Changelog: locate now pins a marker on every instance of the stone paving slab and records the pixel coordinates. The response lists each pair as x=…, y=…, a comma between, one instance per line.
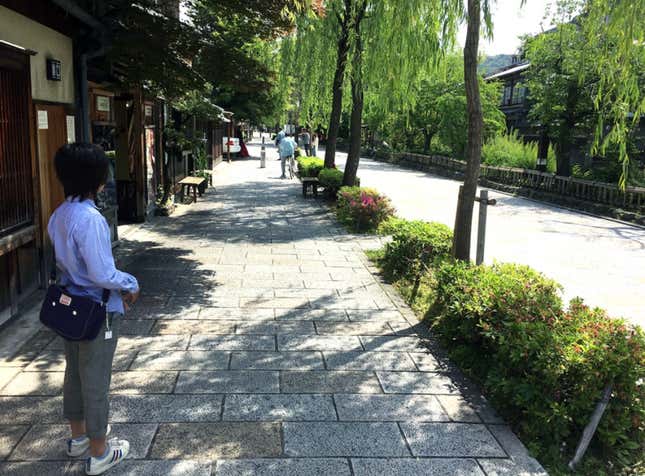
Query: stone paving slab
x=416, y=467
x=284, y=407
x=277, y=361
x=393, y=344
x=508, y=467
x=232, y=342
x=54, y=361
x=181, y=360
x=133, y=382
x=284, y=467
x=458, y=409
x=47, y=442
x=337, y=342
x=451, y=439
x=129, y=467
x=35, y=383
x=210, y=441
x=8, y=373
x=353, y=407
x=165, y=408
x=416, y=382
x=10, y=435
x=228, y=381
x=311, y=315
x=353, y=328
x=319, y=439
x=26, y=410
x=282, y=327
x=136, y=327
x=192, y=327
x=329, y=381
x=368, y=361
x=214, y=313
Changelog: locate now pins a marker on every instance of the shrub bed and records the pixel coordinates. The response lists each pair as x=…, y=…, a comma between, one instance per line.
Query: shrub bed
x=415, y=245
x=310, y=166
x=542, y=366
x=332, y=180
x=362, y=209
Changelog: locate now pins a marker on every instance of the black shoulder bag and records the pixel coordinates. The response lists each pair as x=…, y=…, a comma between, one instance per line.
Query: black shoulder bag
x=72, y=317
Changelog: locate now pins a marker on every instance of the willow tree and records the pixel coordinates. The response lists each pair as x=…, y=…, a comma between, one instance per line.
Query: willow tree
x=618, y=28
x=466, y=199
x=394, y=45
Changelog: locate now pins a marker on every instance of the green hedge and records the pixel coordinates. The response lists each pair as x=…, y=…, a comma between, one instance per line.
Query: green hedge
x=332, y=180
x=310, y=166
x=544, y=368
x=362, y=209
x=414, y=246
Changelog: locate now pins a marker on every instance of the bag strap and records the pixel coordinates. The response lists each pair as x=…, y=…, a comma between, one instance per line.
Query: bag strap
x=52, y=278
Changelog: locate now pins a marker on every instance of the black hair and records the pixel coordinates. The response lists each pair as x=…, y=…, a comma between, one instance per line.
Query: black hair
x=82, y=169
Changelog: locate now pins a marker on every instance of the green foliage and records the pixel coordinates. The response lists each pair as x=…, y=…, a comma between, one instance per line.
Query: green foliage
x=508, y=150
x=362, y=209
x=587, y=77
x=438, y=118
x=331, y=179
x=542, y=367
x=310, y=166
x=415, y=245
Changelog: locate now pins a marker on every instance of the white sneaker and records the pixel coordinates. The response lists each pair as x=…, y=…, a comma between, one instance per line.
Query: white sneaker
x=116, y=452
x=76, y=447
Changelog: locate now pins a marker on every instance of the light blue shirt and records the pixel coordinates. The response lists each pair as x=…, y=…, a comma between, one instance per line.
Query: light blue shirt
x=287, y=147
x=81, y=238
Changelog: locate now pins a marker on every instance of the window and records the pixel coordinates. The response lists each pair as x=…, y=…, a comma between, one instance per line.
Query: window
x=506, y=95
x=519, y=93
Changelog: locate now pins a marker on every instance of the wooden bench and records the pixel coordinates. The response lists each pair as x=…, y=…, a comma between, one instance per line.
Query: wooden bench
x=310, y=183
x=191, y=182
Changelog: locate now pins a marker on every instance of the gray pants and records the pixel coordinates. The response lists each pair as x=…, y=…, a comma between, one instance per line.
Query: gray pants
x=284, y=162
x=88, y=374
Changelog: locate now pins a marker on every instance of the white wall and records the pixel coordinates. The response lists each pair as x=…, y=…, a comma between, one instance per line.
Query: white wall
x=48, y=43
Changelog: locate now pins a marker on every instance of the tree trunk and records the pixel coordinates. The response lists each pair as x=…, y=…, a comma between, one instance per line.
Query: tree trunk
x=466, y=201
x=339, y=77
x=354, y=155
x=565, y=139
x=427, y=140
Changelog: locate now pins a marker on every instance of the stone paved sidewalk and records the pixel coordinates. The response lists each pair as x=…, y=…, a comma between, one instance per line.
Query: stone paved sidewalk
x=263, y=344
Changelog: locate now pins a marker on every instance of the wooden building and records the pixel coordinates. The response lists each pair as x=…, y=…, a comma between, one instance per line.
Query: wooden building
x=37, y=115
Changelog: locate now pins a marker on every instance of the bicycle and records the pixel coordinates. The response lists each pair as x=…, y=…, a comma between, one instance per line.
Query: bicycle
x=292, y=167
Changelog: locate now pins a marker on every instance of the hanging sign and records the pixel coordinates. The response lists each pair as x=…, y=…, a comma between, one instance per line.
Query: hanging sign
x=43, y=120
x=103, y=103
x=71, y=129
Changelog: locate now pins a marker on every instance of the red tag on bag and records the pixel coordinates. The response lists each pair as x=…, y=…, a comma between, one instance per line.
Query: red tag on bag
x=65, y=300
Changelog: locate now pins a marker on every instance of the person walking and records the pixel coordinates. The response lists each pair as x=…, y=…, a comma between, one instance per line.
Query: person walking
x=287, y=149
x=314, y=145
x=83, y=253
x=306, y=142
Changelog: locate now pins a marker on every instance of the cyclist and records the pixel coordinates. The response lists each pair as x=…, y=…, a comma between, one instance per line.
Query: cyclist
x=287, y=149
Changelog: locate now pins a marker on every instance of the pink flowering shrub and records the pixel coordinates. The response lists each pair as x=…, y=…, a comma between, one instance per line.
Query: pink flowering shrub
x=362, y=209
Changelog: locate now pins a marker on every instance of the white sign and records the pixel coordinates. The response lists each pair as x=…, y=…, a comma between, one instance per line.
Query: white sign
x=148, y=111
x=71, y=129
x=43, y=120
x=103, y=103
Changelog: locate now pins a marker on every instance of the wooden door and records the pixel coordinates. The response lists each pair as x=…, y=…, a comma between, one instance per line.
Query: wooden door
x=52, y=134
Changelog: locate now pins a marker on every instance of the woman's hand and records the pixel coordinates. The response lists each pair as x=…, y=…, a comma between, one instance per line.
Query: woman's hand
x=130, y=298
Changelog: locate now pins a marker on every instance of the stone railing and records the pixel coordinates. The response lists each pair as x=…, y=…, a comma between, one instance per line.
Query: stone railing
x=632, y=198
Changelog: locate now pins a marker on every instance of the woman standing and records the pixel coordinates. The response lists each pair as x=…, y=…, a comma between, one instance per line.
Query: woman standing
x=314, y=144
x=81, y=239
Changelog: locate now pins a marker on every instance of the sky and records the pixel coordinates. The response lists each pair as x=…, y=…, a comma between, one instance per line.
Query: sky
x=509, y=22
